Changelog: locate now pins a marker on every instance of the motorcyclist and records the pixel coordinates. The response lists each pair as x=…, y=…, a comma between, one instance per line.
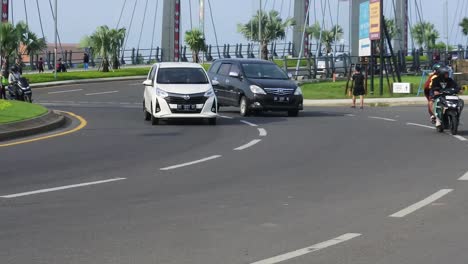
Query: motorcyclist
x=13, y=79
x=427, y=91
x=441, y=82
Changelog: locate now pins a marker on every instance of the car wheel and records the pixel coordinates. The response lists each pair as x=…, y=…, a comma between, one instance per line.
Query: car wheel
x=244, y=108
x=293, y=113
x=154, y=120
x=212, y=121
x=147, y=115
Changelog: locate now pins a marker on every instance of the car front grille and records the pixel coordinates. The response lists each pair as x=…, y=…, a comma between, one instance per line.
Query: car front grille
x=279, y=91
x=186, y=99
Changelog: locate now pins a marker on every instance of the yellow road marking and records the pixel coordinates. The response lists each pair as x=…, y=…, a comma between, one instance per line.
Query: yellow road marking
x=83, y=123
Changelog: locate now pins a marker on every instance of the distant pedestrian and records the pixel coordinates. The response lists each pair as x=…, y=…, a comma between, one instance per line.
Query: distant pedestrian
x=60, y=67
x=357, y=87
x=85, y=61
x=40, y=65
x=19, y=64
x=4, y=81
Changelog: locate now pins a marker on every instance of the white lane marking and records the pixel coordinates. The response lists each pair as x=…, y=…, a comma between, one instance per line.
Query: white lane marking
x=67, y=91
x=350, y=115
x=136, y=84
x=464, y=177
x=191, y=163
x=410, y=209
x=60, y=188
x=109, y=92
x=382, y=118
x=262, y=132
x=248, y=145
x=226, y=117
x=419, y=125
x=248, y=123
x=307, y=250
x=459, y=137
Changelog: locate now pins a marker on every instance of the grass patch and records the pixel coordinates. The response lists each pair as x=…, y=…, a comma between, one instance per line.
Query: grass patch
x=13, y=111
x=291, y=63
x=336, y=90
x=66, y=76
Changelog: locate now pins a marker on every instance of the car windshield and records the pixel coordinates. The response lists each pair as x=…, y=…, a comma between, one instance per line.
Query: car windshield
x=182, y=76
x=263, y=71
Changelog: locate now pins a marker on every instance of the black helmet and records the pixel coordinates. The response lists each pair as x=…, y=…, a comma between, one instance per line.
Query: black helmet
x=436, y=66
x=14, y=68
x=358, y=68
x=442, y=71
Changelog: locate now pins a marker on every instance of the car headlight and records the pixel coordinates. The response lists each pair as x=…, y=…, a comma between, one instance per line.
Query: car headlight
x=256, y=89
x=161, y=93
x=209, y=93
x=298, y=91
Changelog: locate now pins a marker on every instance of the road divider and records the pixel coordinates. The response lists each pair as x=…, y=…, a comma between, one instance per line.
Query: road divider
x=190, y=163
x=414, y=207
x=304, y=251
x=248, y=145
x=16, y=195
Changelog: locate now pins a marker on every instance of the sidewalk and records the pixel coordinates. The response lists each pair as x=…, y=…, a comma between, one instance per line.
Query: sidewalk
x=372, y=101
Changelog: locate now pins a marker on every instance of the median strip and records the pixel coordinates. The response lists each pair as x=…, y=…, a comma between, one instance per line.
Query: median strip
x=59, y=188
x=304, y=251
x=190, y=163
x=412, y=208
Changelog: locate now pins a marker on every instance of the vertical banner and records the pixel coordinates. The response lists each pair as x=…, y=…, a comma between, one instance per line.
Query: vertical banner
x=374, y=15
x=177, y=30
x=364, y=41
x=306, y=36
x=4, y=11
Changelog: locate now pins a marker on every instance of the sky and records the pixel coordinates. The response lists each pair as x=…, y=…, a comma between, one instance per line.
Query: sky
x=81, y=17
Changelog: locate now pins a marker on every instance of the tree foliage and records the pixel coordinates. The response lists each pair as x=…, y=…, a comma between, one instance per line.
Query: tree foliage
x=195, y=40
x=106, y=43
x=425, y=35
x=327, y=36
x=464, y=25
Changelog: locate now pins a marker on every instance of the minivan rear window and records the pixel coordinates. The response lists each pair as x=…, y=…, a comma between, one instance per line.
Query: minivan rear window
x=263, y=71
x=182, y=76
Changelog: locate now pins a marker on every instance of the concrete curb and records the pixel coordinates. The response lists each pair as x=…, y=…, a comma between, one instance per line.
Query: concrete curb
x=404, y=101
x=97, y=80
x=45, y=123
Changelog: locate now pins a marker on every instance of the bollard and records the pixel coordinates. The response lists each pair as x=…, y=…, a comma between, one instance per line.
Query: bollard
x=240, y=51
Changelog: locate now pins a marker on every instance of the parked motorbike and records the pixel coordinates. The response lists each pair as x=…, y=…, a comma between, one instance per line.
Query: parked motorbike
x=451, y=107
x=20, y=91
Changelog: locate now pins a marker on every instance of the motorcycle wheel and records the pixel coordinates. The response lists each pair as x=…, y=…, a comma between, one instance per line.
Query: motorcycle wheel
x=27, y=99
x=453, y=120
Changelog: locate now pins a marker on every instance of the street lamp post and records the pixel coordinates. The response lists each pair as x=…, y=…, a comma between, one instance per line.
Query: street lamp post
x=260, y=16
x=56, y=37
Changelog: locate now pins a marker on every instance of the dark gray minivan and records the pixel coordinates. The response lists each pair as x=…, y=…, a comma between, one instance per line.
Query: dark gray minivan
x=255, y=85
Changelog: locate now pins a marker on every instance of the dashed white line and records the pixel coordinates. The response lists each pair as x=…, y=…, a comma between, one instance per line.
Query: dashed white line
x=60, y=188
x=459, y=137
x=248, y=145
x=350, y=115
x=307, y=250
x=464, y=177
x=248, y=123
x=67, y=91
x=262, y=132
x=382, y=118
x=191, y=163
x=419, y=125
x=414, y=207
x=226, y=117
x=109, y=92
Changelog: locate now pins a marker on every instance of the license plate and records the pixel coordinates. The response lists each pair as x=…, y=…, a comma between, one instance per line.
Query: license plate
x=451, y=97
x=186, y=107
x=281, y=99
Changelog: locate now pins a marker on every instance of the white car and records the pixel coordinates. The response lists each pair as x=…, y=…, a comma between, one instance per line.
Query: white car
x=179, y=90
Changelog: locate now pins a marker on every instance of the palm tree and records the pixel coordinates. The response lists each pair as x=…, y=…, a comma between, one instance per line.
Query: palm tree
x=391, y=28
x=117, y=41
x=106, y=43
x=8, y=41
x=328, y=37
x=195, y=40
x=425, y=34
x=464, y=26
x=272, y=26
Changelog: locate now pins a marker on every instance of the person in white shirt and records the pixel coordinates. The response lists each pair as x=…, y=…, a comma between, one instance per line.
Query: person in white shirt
x=13, y=78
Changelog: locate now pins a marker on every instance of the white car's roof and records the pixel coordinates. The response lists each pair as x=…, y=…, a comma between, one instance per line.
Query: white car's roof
x=178, y=65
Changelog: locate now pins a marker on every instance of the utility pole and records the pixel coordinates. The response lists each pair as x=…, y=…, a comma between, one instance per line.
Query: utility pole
x=202, y=17
x=382, y=61
x=446, y=27
x=260, y=16
x=56, y=39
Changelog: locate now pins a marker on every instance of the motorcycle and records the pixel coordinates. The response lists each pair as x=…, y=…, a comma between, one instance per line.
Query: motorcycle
x=451, y=107
x=20, y=91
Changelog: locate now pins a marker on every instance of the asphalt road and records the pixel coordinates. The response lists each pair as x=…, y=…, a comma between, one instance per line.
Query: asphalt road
x=334, y=185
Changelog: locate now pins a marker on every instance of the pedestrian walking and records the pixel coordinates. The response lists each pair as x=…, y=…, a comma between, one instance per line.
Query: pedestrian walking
x=40, y=65
x=357, y=87
x=85, y=61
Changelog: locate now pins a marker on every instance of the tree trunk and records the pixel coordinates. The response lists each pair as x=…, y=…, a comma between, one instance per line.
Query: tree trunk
x=105, y=65
x=115, y=63
x=195, y=58
x=265, y=51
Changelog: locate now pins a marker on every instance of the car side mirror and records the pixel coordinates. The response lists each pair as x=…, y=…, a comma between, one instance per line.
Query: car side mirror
x=214, y=83
x=148, y=83
x=234, y=74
